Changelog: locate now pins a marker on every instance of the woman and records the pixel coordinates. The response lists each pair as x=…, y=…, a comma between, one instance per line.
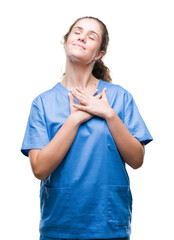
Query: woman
x=79, y=136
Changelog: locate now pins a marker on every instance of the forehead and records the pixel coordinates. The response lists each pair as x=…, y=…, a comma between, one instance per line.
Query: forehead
x=89, y=25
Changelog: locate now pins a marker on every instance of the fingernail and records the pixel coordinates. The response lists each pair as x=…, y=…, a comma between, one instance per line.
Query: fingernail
x=69, y=94
x=96, y=89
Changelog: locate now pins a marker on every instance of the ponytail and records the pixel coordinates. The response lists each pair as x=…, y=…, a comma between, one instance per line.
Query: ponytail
x=100, y=71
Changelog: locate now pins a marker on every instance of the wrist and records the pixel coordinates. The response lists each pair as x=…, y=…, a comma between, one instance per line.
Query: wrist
x=110, y=113
x=74, y=119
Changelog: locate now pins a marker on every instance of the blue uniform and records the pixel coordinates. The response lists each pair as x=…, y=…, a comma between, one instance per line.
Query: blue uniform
x=88, y=195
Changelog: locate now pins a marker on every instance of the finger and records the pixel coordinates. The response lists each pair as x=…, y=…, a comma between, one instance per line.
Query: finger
x=76, y=94
x=99, y=96
x=104, y=93
x=96, y=90
x=71, y=98
x=104, y=90
x=79, y=89
x=80, y=97
x=84, y=94
x=79, y=107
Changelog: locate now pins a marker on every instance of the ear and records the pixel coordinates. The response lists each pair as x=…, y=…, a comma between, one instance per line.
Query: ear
x=99, y=55
x=64, y=43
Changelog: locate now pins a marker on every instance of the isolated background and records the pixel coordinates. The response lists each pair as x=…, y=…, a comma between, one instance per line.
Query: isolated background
x=141, y=59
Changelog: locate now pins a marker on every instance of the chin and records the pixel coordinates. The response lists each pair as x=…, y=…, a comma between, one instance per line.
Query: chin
x=78, y=55
x=79, y=58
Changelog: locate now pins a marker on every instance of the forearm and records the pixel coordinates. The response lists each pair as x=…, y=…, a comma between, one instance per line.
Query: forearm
x=53, y=153
x=130, y=149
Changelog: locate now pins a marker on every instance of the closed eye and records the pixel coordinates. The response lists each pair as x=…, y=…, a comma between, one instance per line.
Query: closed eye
x=91, y=37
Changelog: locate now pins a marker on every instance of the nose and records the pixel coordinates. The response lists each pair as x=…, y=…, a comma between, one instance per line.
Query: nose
x=82, y=38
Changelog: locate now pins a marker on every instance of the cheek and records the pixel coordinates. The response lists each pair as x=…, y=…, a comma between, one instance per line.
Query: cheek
x=70, y=40
x=94, y=45
x=67, y=45
x=94, y=49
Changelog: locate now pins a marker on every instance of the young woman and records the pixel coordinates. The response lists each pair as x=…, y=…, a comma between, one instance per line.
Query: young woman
x=79, y=136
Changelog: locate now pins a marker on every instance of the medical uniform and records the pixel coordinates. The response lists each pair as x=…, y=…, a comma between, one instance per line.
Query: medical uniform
x=88, y=195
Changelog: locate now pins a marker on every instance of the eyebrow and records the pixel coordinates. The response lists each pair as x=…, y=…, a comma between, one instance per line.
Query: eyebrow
x=89, y=30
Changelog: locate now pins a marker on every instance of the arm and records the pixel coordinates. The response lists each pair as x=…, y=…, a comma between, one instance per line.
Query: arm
x=44, y=161
x=130, y=149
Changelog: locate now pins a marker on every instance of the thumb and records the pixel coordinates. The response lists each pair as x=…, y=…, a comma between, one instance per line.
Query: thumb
x=99, y=96
x=104, y=93
x=71, y=99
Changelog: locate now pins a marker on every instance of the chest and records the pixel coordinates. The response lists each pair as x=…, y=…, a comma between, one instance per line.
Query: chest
x=58, y=109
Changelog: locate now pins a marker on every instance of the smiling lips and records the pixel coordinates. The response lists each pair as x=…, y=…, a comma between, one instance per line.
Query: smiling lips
x=79, y=46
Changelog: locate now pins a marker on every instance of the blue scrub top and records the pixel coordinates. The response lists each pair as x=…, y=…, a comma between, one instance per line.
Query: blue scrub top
x=88, y=195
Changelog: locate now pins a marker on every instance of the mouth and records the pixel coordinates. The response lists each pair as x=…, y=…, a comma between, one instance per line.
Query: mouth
x=79, y=46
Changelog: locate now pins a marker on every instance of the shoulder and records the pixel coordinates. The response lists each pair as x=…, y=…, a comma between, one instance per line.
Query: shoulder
x=117, y=89
x=45, y=96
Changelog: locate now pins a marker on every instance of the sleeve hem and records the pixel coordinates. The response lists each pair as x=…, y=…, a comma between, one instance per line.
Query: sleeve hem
x=25, y=151
x=145, y=140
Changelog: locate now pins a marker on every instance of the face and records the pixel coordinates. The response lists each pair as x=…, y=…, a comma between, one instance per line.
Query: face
x=84, y=41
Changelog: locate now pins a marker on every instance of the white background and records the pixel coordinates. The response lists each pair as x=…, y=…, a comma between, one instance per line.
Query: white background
x=141, y=59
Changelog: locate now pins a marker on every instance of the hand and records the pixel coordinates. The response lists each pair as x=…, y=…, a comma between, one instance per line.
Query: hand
x=97, y=105
x=80, y=115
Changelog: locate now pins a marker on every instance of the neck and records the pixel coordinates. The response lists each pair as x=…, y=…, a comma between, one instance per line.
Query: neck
x=78, y=75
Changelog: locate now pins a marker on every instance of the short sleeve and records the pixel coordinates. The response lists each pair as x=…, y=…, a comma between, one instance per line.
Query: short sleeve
x=134, y=121
x=36, y=136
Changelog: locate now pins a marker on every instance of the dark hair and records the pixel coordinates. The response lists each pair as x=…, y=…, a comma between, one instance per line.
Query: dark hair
x=99, y=71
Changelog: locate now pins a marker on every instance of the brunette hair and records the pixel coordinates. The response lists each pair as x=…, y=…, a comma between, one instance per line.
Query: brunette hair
x=99, y=71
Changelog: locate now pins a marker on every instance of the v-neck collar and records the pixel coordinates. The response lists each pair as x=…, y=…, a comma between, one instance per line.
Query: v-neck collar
x=65, y=91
